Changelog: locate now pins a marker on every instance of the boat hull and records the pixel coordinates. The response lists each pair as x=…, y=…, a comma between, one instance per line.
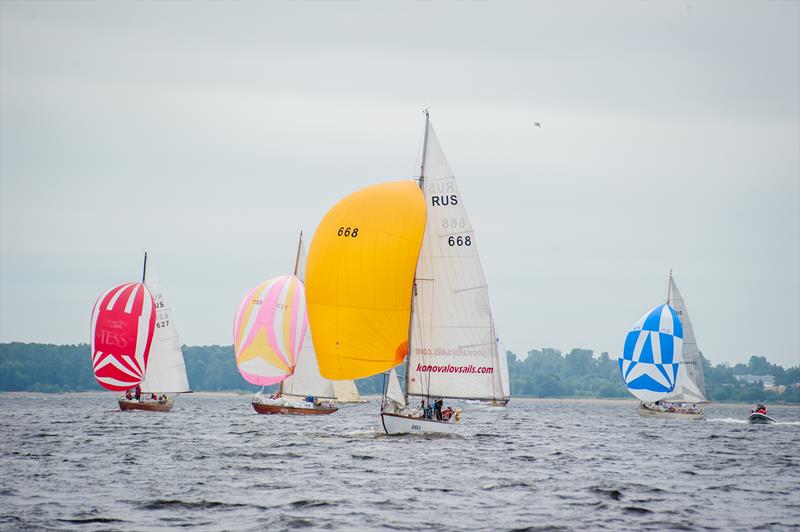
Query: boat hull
x=394, y=424
x=147, y=406
x=759, y=419
x=279, y=409
x=649, y=412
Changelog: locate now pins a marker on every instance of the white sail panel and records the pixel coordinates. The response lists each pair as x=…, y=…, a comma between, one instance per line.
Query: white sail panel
x=393, y=391
x=503, y=377
x=691, y=384
x=306, y=379
x=452, y=350
x=166, y=370
x=346, y=391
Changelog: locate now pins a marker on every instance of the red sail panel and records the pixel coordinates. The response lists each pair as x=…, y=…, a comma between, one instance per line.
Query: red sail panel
x=123, y=321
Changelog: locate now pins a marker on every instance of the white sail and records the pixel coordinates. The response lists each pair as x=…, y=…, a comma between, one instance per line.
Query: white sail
x=502, y=381
x=166, y=370
x=346, y=392
x=393, y=391
x=452, y=347
x=306, y=379
x=691, y=385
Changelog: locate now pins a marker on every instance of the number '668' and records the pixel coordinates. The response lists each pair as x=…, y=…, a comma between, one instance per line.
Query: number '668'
x=346, y=231
x=459, y=241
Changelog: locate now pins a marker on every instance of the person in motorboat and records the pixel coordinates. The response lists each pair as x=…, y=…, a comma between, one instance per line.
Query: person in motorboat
x=760, y=409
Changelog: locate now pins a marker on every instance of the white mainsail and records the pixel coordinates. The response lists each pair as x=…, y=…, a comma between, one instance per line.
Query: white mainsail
x=691, y=385
x=452, y=348
x=306, y=379
x=166, y=370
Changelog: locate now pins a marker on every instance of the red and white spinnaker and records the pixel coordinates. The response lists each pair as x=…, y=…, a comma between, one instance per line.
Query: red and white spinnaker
x=123, y=322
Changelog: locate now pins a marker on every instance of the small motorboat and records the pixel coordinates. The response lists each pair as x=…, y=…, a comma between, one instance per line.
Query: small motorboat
x=758, y=418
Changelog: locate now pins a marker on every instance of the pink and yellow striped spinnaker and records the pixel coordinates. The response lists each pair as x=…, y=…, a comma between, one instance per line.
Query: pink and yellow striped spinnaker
x=268, y=330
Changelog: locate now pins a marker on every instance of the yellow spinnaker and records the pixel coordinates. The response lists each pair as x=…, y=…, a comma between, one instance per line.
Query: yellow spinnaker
x=359, y=278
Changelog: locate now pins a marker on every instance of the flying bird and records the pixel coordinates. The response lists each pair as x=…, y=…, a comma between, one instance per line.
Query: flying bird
x=537, y=124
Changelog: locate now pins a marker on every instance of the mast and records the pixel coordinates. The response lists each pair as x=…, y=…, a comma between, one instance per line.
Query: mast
x=669, y=286
x=414, y=286
x=297, y=257
x=144, y=267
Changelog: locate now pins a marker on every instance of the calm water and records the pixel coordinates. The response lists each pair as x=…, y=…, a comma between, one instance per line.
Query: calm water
x=75, y=462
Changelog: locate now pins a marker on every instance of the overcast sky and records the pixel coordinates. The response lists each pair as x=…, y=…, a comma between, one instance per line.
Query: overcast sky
x=210, y=134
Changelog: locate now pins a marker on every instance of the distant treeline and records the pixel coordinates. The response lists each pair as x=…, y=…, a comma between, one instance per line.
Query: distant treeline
x=543, y=373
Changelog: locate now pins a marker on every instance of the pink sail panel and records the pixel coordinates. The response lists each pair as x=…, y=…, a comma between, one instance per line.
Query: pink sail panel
x=268, y=330
x=123, y=321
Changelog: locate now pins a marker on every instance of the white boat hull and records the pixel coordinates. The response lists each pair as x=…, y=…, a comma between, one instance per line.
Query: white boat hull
x=395, y=424
x=649, y=412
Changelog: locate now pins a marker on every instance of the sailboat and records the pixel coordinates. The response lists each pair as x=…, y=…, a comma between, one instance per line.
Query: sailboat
x=502, y=379
x=394, y=276
x=273, y=345
x=138, y=316
x=661, y=363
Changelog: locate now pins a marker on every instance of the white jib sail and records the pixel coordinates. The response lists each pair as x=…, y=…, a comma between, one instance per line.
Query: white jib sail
x=166, y=370
x=393, y=391
x=691, y=384
x=306, y=379
x=452, y=351
x=346, y=391
x=503, y=379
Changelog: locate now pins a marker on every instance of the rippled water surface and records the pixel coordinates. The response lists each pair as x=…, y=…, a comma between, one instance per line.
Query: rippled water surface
x=75, y=462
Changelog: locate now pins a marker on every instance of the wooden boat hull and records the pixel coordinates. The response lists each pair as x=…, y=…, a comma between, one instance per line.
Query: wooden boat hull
x=394, y=424
x=759, y=419
x=148, y=406
x=278, y=409
x=648, y=412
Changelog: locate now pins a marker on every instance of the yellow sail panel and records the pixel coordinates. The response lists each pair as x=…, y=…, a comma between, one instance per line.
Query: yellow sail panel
x=359, y=279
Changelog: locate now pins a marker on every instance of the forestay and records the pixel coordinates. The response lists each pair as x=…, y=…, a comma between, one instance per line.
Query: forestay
x=123, y=320
x=359, y=279
x=652, y=354
x=691, y=385
x=166, y=369
x=269, y=328
x=453, y=352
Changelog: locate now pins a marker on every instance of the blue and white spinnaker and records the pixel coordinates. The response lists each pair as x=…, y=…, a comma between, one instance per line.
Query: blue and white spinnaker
x=652, y=355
